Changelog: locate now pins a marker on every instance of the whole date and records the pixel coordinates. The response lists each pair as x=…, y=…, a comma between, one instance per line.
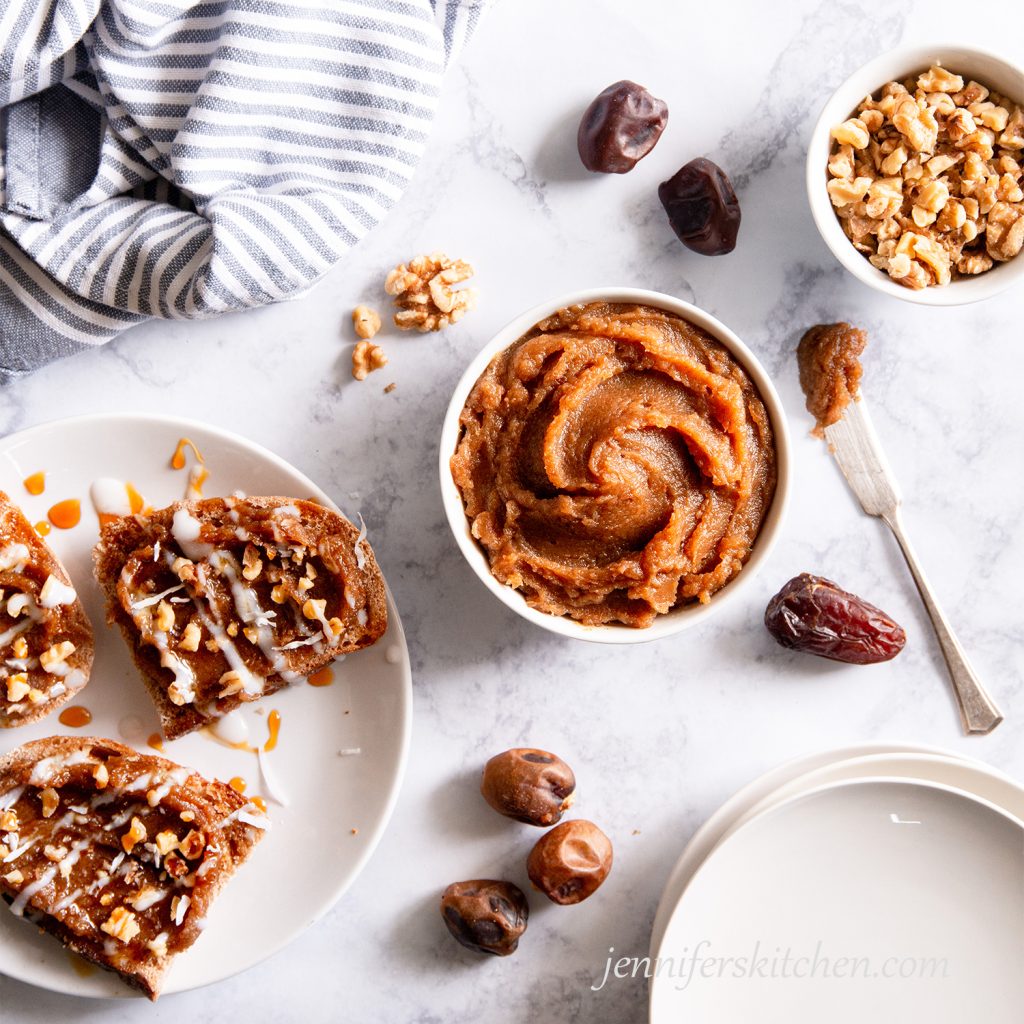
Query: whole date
x=813, y=614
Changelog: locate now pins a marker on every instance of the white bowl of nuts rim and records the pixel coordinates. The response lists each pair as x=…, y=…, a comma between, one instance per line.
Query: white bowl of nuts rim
x=918, y=192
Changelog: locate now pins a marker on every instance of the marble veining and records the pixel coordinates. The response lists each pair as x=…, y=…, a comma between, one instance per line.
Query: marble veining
x=659, y=734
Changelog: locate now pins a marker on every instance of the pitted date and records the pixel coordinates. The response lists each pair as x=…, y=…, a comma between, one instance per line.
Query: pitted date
x=702, y=207
x=814, y=615
x=485, y=915
x=620, y=127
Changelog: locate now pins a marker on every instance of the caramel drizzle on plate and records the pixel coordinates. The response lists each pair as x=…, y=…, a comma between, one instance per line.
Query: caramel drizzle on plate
x=199, y=474
x=35, y=483
x=65, y=515
x=322, y=677
x=75, y=717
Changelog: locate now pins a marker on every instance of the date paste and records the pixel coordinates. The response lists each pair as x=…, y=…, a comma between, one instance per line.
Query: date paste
x=615, y=462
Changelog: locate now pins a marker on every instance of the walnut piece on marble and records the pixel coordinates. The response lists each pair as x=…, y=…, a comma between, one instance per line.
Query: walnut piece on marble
x=365, y=321
x=367, y=357
x=926, y=180
x=425, y=294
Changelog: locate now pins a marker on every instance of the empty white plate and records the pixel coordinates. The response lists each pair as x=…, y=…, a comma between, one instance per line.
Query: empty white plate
x=707, y=837
x=877, y=899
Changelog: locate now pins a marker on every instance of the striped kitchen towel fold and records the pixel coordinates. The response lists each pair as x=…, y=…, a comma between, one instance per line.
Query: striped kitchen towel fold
x=168, y=158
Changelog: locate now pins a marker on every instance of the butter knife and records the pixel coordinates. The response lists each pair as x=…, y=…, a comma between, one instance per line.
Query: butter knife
x=855, y=445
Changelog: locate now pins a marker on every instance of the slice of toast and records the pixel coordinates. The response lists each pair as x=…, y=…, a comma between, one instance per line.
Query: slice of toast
x=118, y=854
x=46, y=641
x=226, y=600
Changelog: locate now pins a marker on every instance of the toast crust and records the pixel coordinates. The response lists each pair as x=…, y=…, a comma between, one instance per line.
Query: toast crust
x=226, y=600
x=101, y=844
x=46, y=640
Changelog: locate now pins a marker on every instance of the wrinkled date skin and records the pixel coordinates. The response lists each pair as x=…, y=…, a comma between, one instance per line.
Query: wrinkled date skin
x=529, y=785
x=702, y=207
x=620, y=127
x=485, y=915
x=812, y=614
x=570, y=862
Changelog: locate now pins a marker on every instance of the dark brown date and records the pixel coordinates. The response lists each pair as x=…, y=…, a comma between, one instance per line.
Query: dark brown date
x=702, y=207
x=812, y=614
x=620, y=127
x=532, y=786
x=485, y=915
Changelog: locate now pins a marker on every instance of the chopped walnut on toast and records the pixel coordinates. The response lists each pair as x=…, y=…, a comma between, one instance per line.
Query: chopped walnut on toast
x=46, y=641
x=118, y=854
x=226, y=600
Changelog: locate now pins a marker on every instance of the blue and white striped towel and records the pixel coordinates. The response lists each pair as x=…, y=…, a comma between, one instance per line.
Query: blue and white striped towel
x=179, y=159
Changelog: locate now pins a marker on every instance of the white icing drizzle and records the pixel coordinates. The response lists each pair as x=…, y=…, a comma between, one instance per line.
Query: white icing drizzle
x=270, y=782
x=110, y=497
x=246, y=814
x=248, y=608
x=11, y=797
x=54, y=593
x=63, y=904
x=151, y=899
x=21, y=900
x=152, y=599
x=186, y=530
x=358, y=546
x=15, y=854
x=232, y=727
x=44, y=770
x=313, y=640
x=8, y=636
x=13, y=556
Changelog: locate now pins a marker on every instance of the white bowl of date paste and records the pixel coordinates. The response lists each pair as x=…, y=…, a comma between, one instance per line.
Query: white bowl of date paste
x=994, y=72
x=684, y=615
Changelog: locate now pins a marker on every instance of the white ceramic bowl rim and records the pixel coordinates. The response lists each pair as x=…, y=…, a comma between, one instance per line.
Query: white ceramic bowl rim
x=679, y=618
x=988, y=68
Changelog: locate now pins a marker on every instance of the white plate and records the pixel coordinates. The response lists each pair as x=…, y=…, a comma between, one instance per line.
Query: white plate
x=707, y=837
x=941, y=768
x=338, y=804
x=937, y=892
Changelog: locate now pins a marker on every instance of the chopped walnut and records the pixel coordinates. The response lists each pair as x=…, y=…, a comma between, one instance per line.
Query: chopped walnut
x=9, y=821
x=166, y=841
x=102, y=776
x=365, y=321
x=18, y=687
x=14, y=877
x=192, y=845
x=50, y=801
x=135, y=835
x=164, y=618
x=252, y=564
x=367, y=357
x=56, y=655
x=425, y=293
x=1005, y=232
x=190, y=637
x=925, y=178
x=20, y=647
x=121, y=924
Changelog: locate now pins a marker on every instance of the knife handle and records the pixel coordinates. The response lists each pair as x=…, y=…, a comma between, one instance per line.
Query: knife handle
x=978, y=711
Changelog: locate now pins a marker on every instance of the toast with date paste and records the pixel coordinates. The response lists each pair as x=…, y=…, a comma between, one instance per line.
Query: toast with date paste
x=116, y=853
x=226, y=600
x=46, y=641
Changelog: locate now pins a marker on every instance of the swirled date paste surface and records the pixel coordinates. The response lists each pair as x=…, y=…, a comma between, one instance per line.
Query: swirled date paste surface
x=615, y=462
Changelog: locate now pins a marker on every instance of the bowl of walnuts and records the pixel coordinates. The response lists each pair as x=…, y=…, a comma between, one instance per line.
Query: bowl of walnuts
x=914, y=174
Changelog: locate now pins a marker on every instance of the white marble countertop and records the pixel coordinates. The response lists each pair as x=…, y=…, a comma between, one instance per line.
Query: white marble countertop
x=659, y=734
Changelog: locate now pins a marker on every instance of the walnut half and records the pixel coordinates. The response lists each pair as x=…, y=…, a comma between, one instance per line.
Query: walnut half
x=425, y=294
